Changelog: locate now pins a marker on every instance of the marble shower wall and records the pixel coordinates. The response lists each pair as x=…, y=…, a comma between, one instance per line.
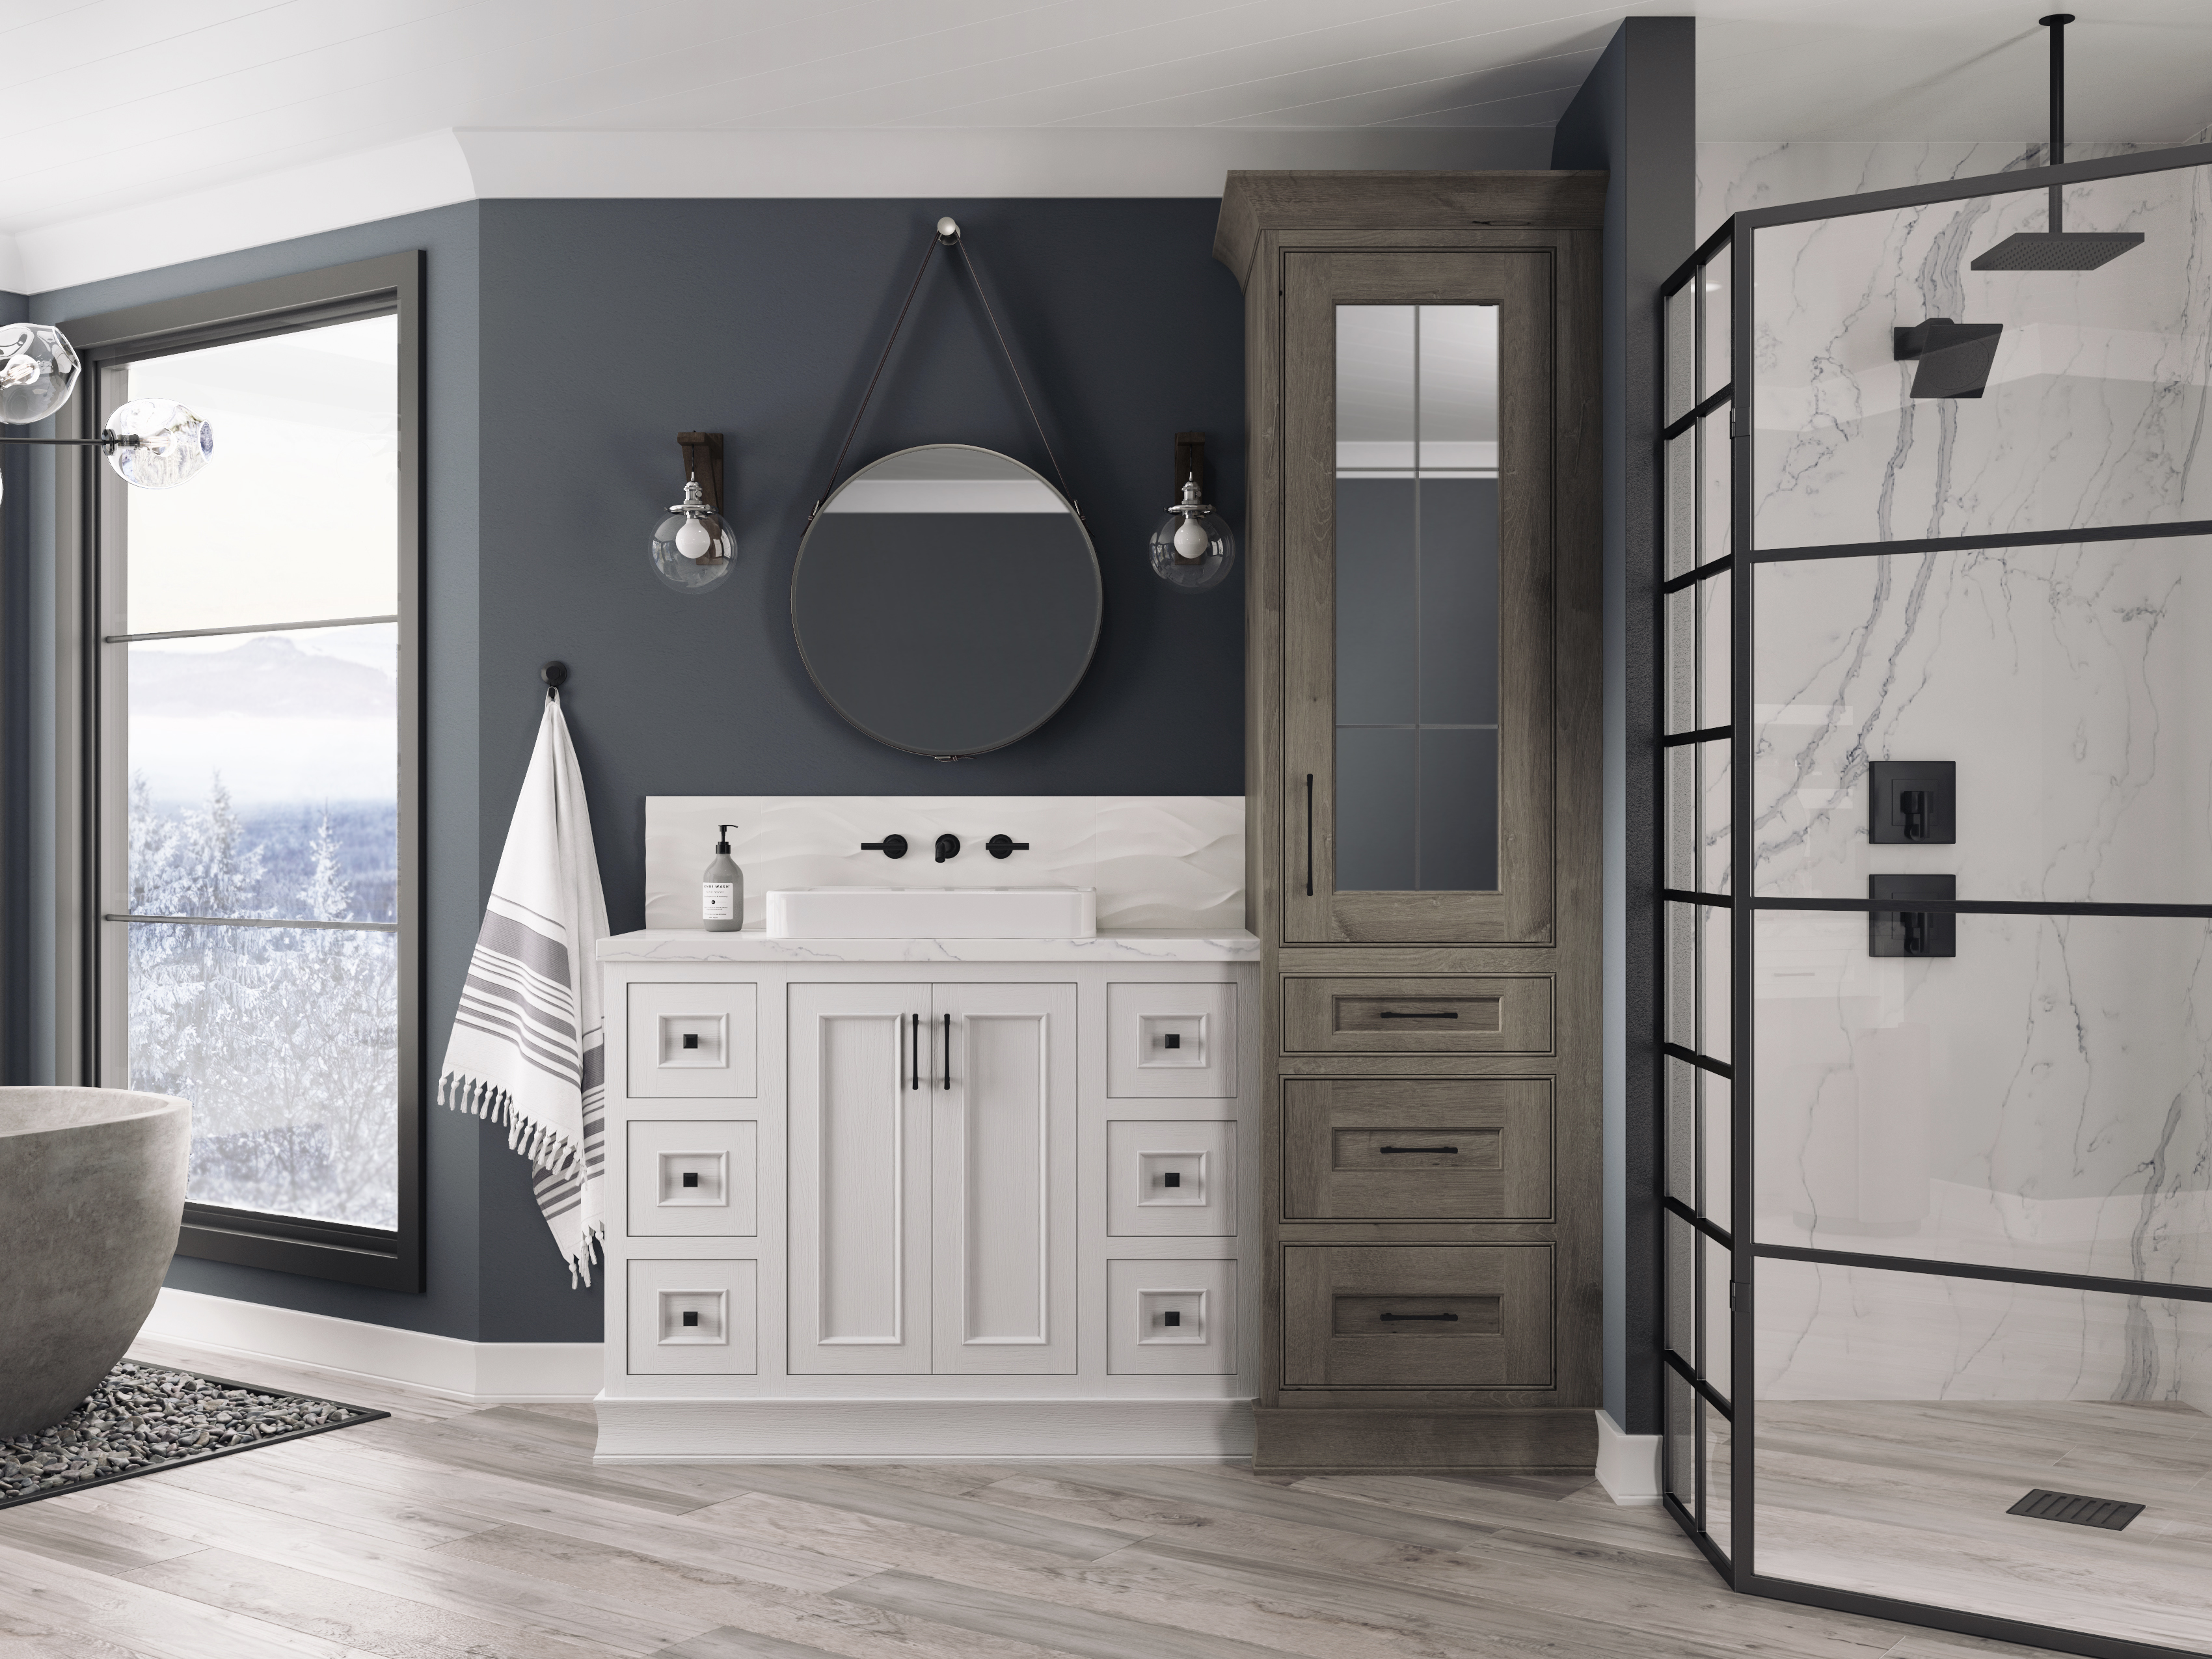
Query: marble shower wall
x=2040, y=1101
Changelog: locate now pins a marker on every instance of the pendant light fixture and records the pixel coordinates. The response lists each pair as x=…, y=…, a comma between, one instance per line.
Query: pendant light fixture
x=151, y=444
x=1193, y=549
x=691, y=549
x=2057, y=248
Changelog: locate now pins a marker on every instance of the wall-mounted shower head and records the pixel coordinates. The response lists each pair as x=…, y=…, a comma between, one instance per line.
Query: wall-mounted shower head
x=1955, y=359
x=2057, y=248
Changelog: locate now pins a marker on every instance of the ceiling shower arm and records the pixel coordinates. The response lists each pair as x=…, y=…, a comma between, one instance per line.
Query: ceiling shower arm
x=2057, y=22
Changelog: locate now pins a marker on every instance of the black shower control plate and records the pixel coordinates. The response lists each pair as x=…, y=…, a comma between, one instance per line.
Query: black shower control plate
x=1915, y=804
x=1904, y=931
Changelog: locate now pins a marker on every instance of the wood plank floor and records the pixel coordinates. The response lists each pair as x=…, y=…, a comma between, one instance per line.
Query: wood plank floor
x=449, y=1531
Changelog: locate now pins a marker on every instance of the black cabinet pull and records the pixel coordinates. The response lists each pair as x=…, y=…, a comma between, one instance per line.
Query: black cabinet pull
x=948, y=1051
x=1388, y=1317
x=913, y=1054
x=1392, y=1013
x=1418, y=1149
x=1309, y=835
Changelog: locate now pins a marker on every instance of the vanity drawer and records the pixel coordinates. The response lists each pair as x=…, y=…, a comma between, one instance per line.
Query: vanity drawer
x=1508, y=1014
x=1170, y=1041
x=1418, y=1316
x=693, y=1318
x=1429, y=1149
x=693, y=1179
x=692, y=1042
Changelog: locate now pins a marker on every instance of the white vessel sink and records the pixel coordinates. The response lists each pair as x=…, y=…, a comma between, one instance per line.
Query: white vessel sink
x=933, y=912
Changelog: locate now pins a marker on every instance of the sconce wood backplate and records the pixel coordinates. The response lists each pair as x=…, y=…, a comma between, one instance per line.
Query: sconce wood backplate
x=702, y=460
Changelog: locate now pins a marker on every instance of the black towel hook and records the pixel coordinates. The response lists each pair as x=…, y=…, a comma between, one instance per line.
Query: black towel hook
x=556, y=675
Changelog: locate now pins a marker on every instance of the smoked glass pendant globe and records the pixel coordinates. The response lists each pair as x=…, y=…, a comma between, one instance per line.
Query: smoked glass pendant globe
x=692, y=549
x=37, y=372
x=1193, y=549
x=174, y=443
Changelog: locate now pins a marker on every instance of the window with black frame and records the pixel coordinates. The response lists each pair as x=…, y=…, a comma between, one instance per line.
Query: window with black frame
x=255, y=788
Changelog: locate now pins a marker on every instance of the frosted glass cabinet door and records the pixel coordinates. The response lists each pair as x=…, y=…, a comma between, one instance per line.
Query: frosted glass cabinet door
x=1418, y=566
x=1004, y=1196
x=860, y=1092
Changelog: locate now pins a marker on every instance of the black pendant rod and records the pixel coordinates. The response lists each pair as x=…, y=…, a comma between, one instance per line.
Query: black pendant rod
x=2057, y=23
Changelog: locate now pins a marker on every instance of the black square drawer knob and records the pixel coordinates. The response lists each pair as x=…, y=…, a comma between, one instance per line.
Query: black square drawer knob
x=690, y=1177
x=690, y=1318
x=690, y=1039
x=1172, y=1178
x=1171, y=1317
x=1173, y=1040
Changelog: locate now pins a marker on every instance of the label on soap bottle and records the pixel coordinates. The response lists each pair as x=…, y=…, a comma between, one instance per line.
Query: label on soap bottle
x=714, y=898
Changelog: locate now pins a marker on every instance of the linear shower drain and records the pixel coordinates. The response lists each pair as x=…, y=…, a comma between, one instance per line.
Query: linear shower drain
x=2076, y=1510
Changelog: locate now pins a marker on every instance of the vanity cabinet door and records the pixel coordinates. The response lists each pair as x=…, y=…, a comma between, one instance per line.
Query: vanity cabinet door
x=1004, y=1192
x=1418, y=489
x=861, y=1086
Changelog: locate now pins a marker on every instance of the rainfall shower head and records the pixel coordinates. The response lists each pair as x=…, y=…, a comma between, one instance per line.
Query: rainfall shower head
x=2057, y=248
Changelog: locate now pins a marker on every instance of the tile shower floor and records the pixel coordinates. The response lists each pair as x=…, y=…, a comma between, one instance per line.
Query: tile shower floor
x=1909, y=1499
x=450, y=1530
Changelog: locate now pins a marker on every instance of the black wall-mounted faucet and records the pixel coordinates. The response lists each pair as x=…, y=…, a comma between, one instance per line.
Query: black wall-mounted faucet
x=1004, y=846
x=892, y=846
x=948, y=847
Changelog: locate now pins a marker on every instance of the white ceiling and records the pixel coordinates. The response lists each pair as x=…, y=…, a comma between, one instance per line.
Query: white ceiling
x=111, y=110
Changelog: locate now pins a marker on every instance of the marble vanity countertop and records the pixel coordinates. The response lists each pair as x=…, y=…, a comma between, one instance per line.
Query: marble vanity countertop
x=1133, y=944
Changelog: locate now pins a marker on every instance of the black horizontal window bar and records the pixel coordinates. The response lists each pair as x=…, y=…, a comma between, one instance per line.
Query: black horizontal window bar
x=1689, y=896
x=1417, y=1149
x=1711, y=568
x=245, y=628
x=1708, y=735
x=2114, y=532
x=1989, y=908
x=1718, y=1067
x=1392, y=1013
x=1682, y=423
x=1720, y=1236
x=2155, y=1291
x=1404, y=1318
x=260, y=921
x=1706, y=1392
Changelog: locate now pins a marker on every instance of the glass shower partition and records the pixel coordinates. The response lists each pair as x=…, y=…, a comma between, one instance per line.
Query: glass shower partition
x=1936, y=943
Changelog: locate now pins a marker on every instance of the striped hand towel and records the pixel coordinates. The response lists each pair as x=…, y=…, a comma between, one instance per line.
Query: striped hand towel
x=528, y=1048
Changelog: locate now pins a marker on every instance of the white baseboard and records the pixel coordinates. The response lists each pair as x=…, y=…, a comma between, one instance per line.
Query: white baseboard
x=482, y=1373
x=924, y=1431
x=1627, y=1464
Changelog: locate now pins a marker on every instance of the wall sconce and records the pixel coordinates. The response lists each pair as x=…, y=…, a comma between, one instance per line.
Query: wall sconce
x=1193, y=549
x=153, y=444
x=692, y=549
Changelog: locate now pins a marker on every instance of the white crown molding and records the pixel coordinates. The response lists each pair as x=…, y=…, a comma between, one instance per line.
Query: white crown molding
x=439, y=168
x=479, y=1373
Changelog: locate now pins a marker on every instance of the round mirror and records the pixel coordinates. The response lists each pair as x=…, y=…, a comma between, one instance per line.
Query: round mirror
x=946, y=600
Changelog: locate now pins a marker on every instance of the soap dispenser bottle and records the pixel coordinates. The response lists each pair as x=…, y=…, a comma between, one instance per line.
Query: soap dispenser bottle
x=722, y=889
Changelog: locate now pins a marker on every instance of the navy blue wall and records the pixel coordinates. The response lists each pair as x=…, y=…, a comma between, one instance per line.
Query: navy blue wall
x=1635, y=115
x=610, y=326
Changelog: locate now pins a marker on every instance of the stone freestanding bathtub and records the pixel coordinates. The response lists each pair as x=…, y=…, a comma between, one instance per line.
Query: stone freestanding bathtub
x=91, y=1189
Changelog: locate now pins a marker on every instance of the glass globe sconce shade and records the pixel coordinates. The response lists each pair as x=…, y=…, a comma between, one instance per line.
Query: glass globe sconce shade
x=692, y=549
x=39, y=370
x=1193, y=548
x=163, y=443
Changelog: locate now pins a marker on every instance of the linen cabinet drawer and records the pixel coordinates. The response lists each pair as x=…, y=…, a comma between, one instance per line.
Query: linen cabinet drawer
x=1425, y=1317
x=1405, y=1149
x=1508, y=1014
x=692, y=1042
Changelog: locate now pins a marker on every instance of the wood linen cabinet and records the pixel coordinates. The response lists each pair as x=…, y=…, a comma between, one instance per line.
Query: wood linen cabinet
x=1424, y=808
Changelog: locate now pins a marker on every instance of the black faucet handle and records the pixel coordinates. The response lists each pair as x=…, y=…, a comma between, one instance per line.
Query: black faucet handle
x=1004, y=846
x=892, y=846
x=948, y=847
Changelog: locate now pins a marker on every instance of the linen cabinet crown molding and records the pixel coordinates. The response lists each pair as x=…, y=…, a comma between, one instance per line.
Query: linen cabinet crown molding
x=1443, y=997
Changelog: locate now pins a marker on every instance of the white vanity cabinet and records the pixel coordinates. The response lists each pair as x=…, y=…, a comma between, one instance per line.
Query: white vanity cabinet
x=991, y=1203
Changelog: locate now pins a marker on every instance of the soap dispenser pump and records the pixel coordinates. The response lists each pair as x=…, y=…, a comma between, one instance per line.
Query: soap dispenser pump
x=722, y=889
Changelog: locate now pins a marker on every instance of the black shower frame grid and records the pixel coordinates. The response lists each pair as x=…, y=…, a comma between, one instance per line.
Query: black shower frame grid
x=1738, y=1563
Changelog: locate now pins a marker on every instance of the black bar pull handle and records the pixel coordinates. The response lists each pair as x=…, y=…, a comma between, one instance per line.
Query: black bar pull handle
x=1401, y=1318
x=1452, y=1150
x=948, y=1051
x=1392, y=1013
x=1309, y=835
x=913, y=1054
